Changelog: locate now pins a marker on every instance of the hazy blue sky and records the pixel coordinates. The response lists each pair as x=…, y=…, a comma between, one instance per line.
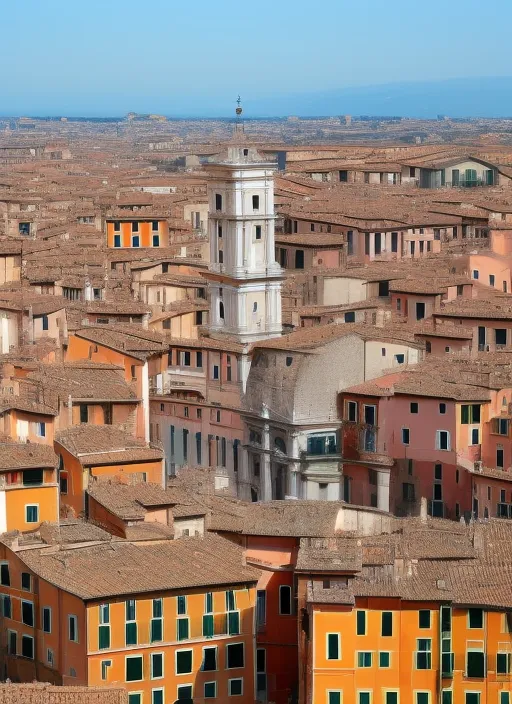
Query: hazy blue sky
x=106, y=57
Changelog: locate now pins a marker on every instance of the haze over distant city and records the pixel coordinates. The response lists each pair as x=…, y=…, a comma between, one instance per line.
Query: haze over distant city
x=192, y=59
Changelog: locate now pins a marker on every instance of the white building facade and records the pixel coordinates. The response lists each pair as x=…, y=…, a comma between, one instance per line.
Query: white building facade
x=244, y=278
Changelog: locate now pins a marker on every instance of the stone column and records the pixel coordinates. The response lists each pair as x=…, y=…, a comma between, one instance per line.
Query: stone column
x=243, y=481
x=372, y=245
x=383, y=491
x=266, y=470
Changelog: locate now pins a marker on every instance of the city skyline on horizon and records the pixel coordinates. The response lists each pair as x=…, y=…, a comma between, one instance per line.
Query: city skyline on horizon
x=193, y=61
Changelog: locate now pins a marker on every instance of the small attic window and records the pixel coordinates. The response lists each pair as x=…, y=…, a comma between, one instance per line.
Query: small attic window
x=289, y=361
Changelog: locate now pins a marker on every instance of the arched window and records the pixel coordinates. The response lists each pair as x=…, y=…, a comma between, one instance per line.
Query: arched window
x=221, y=310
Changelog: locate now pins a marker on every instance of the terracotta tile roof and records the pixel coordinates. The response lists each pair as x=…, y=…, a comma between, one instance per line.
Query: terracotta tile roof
x=319, y=335
x=328, y=555
x=42, y=693
x=105, y=444
x=132, y=345
x=130, y=502
x=116, y=568
x=84, y=380
x=14, y=455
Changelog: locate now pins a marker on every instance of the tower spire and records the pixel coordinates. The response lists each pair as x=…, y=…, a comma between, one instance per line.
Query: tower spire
x=239, y=125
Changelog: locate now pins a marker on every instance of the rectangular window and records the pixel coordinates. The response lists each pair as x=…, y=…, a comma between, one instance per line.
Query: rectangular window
x=257, y=232
x=235, y=687
x=352, y=411
x=181, y=605
x=424, y=618
x=5, y=578
x=504, y=697
x=6, y=606
x=502, y=663
x=391, y=697
x=422, y=697
x=84, y=413
x=182, y=629
x=364, y=697
x=364, y=659
x=285, y=600
x=218, y=201
x=475, y=436
x=73, y=628
x=156, y=240
x=135, y=226
x=134, y=669
x=234, y=656
x=475, y=663
x=387, y=623
x=361, y=623
x=209, y=659
x=183, y=662
x=384, y=659
x=414, y=408
x=31, y=513
x=27, y=613
x=470, y=413
x=157, y=666
x=135, y=241
x=157, y=696
x=406, y=436
x=185, y=691
x=333, y=646
x=26, y=581
x=117, y=240
x=446, y=696
x=27, y=647
x=475, y=618
x=472, y=697
x=424, y=654
x=157, y=621
x=442, y=440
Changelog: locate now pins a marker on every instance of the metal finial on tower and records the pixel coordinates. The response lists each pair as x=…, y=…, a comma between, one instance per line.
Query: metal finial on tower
x=238, y=108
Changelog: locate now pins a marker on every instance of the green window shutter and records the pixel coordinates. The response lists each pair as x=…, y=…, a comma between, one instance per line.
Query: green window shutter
x=104, y=637
x=447, y=696
x=131, y=633
x=384, y=659
x=233, y=623
x=156, y=630
x=334, y=697
x=391, y=697
x=157, y=665
x=208, y=630
x=422, y=698
x=455, y=177
x=364, y=697
x=333, y=650
x=183, y=629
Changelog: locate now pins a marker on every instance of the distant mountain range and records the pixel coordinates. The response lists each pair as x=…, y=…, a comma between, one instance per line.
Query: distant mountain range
x=457, y=97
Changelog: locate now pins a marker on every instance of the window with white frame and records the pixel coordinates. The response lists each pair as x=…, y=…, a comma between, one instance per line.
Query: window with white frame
x=443, y=440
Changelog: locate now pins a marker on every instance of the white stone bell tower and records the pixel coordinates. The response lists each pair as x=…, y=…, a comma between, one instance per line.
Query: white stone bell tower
x=244, y=278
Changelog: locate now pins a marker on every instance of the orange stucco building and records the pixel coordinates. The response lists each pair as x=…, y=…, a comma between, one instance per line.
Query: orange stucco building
x=89, y=611
x=137, y=232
